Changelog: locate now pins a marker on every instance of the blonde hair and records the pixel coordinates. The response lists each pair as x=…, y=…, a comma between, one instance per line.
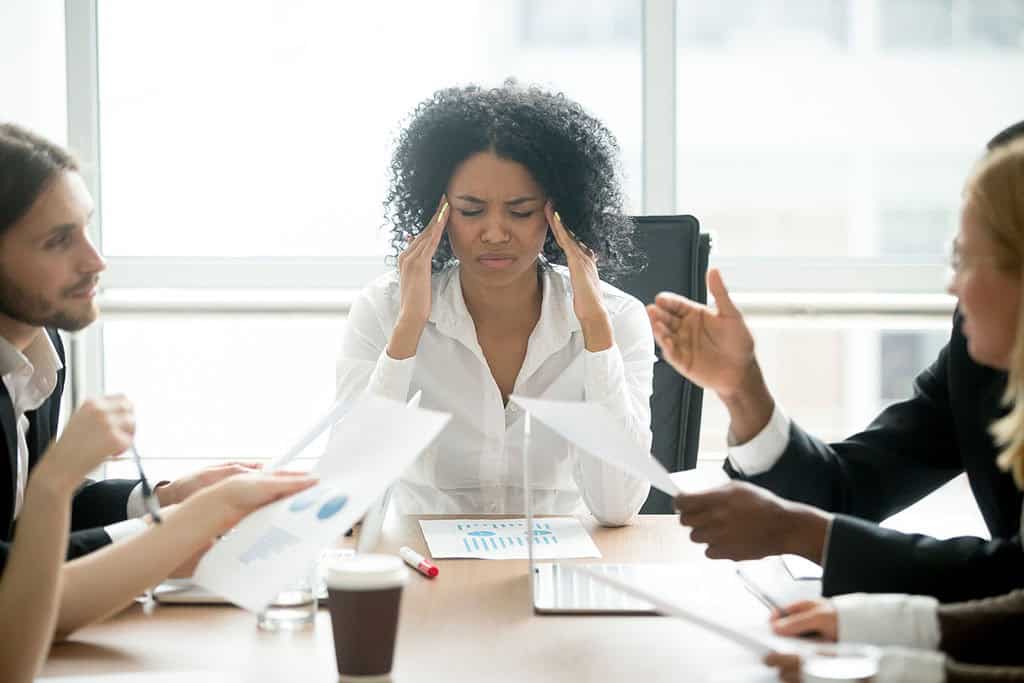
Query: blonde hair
x=996, y=190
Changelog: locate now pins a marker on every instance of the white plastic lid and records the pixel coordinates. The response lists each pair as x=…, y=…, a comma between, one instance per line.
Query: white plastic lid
x=366, y=573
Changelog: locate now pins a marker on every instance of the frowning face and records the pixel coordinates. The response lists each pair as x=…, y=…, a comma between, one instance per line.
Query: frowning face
x=497, y=225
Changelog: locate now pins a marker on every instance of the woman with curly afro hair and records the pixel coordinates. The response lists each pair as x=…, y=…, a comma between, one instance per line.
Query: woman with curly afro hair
x=504, y=204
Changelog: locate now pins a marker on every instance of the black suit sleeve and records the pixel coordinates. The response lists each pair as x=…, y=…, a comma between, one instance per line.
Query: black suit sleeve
x=79, y=543
x=906, y=453
x=99, y=503
x=864, y=557
x=909, y=450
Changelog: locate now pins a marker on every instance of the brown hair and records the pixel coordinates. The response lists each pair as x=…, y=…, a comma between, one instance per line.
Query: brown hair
x=28, y=163
x=996, y=189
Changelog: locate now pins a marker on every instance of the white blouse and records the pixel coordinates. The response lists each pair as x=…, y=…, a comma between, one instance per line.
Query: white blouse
x=475, y=466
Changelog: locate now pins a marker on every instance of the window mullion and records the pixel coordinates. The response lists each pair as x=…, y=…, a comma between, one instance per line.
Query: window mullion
x=659, y=107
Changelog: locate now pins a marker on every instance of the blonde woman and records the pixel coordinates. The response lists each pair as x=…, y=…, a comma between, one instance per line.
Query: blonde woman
x=41, y=595
x=951, y=641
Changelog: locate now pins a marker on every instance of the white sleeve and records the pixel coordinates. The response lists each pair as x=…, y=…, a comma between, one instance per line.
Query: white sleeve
x=363, y=363
x=621, y=379
x=762, y=452
x=126, y=529
x=901, y=665
x=888, y=619
x=135, y=507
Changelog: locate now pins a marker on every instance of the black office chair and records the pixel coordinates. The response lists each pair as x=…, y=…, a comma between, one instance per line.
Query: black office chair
x=677, y=261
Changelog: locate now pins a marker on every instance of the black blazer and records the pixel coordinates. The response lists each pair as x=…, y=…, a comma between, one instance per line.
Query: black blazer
x=96, y=504
x=910, y=450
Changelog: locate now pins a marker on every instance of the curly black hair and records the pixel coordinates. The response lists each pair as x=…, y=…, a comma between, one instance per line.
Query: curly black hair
x=569, y=153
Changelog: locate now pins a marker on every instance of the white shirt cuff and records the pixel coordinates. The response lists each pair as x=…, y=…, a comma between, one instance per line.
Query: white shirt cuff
x=136, y=507
x=888, y=619
x=764, y=450
x=900, y=665
x=125, y=529
x=603, y=375
x=391, y=377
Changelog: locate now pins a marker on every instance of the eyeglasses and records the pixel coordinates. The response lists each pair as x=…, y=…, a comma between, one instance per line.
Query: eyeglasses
x=148, y=497
x=959, y=263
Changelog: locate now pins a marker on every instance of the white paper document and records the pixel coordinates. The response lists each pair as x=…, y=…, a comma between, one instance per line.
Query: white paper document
x=593, y=429
x=802, y=569
x=749, y=639
x=505, y=539
x=700, y=479
x=337, y=411
x=277, y=545
x=770, y=577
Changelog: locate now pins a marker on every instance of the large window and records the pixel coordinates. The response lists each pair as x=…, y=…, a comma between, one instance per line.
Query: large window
x=839, y=129
x=833, y=375
x=241, y=150
x=214, y=387
x=244, y=128
x=824, y=143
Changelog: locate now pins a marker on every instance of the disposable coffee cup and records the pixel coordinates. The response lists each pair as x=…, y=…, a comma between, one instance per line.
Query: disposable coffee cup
x=364, y=593
x=841, y=663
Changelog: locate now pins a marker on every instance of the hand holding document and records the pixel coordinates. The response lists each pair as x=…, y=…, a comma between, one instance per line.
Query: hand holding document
x=593, y=429
x=273, y=547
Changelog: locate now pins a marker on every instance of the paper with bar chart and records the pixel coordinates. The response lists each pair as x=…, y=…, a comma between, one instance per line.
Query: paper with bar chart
x=505, y=539
x=278, y=544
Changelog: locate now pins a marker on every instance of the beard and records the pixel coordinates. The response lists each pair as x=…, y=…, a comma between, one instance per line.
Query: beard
x=31, y=309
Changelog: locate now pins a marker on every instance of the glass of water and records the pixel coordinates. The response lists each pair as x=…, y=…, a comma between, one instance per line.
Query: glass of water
x=292, y=609
x=841, y=663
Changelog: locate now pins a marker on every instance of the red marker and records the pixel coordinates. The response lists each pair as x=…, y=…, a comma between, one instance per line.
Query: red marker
x=418, y=562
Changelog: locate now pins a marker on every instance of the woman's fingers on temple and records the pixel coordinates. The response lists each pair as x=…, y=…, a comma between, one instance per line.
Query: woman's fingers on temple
x=567, y=244
x=440, y=217
x=556, y=230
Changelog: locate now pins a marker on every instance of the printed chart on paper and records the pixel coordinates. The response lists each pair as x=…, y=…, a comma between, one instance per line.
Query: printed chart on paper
x=505, y=539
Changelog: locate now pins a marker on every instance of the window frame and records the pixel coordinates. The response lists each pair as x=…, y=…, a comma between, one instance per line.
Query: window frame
x=268, y=285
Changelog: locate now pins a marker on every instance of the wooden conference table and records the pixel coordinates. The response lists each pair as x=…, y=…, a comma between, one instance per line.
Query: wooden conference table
x=474, y=622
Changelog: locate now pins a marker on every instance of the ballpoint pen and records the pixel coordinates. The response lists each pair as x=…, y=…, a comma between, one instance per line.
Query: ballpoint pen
x=149, y=499
x=769, y=603
x=760, y=595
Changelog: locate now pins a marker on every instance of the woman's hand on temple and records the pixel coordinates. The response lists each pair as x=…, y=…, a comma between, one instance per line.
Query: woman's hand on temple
x=586, y=285
x=414, y=271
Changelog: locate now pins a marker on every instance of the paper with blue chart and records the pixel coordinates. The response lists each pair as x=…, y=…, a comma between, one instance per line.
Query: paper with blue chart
x=273, y=548
x=505, y=539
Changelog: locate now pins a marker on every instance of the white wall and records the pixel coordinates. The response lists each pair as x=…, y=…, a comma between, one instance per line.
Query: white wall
x=33, y=84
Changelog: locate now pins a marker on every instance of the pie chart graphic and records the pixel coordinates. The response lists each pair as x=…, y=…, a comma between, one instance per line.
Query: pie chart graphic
x=331, y=507
x=304, y=501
